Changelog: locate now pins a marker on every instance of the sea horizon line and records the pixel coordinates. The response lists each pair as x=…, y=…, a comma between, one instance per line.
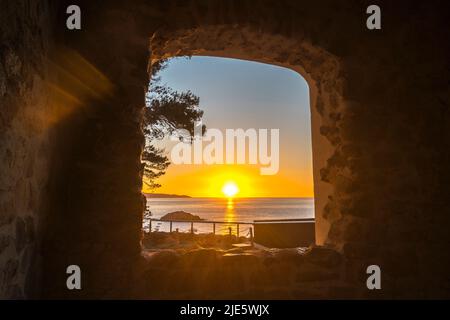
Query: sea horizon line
x=219, y=197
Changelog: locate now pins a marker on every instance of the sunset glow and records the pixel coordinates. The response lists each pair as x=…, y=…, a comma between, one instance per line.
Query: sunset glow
x=208, y=181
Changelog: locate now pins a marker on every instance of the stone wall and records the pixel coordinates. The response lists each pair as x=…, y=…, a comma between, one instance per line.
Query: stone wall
x=96, y=214
x=298, y=273
x=384, y=114
x=24, y=142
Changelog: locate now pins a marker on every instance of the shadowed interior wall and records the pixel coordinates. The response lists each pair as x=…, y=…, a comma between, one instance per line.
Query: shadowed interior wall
x=25, y=142
x=387, y=202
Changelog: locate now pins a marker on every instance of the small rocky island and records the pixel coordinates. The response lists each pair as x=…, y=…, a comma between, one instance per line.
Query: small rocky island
x=165, y=195
x=180, y=215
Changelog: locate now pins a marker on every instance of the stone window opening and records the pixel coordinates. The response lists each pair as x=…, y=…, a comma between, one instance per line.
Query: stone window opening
x=293, y=153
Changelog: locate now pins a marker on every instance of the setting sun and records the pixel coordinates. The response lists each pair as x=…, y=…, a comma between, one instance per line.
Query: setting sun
x=230, y=189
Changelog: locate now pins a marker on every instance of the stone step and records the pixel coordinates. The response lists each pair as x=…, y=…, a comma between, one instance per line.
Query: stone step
x=242, y=245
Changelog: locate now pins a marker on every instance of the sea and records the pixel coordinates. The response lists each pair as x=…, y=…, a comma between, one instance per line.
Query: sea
x=226, y=210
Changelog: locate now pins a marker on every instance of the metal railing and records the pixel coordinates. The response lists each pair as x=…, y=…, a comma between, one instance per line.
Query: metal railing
x=192, y=222
x=285, y=220
x=226, y=223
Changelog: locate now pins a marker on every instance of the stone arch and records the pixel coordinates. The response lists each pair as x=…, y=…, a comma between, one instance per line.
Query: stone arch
x=320, y=69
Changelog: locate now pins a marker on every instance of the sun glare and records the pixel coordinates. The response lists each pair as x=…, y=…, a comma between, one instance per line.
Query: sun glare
x=230, y=189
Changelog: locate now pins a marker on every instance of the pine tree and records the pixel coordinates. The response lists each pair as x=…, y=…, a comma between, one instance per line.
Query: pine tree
x=166, y=113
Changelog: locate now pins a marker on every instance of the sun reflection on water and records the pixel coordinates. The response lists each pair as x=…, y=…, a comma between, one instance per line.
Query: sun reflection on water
x=229, y=212
x=230, y=204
